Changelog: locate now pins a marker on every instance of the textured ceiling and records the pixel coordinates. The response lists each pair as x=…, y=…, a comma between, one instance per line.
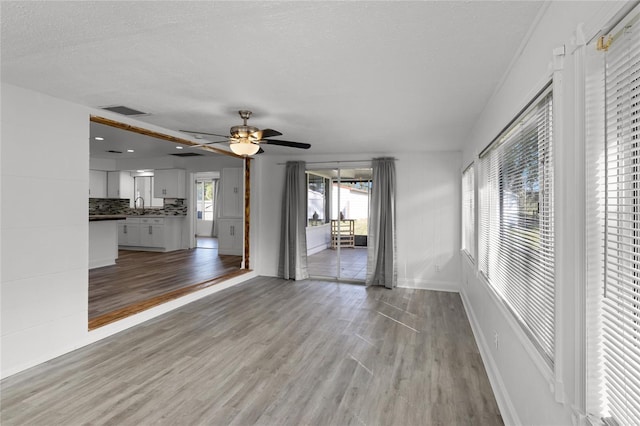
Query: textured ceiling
x=343, y=76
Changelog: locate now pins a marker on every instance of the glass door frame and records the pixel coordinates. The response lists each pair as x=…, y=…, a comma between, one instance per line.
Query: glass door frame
x=334, y=211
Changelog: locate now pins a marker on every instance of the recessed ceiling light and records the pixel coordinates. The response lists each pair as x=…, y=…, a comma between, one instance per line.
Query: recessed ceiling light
x=140, y=171
x=98, y=138
x=178, y=147
x=130, y=150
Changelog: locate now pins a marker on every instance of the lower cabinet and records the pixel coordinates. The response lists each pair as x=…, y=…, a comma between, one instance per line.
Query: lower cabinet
x=129, y=233
x=151, y=233
x=230, y=236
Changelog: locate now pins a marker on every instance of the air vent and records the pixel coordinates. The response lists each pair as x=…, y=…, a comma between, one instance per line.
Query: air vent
x=121, y=109
x=187, y=154
x=113, y=151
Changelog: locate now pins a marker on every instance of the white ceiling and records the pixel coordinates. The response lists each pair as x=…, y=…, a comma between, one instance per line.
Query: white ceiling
x=344, y=76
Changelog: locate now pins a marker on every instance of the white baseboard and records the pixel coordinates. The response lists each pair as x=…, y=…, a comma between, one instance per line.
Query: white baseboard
x=317, y=249
x=99, y=263
x=449, y=286
x=507, y=410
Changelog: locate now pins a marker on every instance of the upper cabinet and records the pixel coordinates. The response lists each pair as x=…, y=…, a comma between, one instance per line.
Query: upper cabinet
x=120, y=185
x=169, y=183
x=232, y=192
x=97, y=184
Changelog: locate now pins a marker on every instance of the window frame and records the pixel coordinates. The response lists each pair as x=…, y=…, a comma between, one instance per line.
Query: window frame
x=326, y=201
x=468, y=204
x=509, y=283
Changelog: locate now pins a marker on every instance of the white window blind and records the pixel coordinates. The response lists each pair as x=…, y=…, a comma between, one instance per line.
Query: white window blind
x=516, y=240
x=620, y=308
x=468, y=212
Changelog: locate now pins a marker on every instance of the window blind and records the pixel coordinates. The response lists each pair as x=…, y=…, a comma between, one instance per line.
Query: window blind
x=468, y=211
x=620, y=307
x=516, y=240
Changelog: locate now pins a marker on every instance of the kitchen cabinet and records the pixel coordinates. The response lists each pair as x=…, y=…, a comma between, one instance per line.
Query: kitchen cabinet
x=152, y=233
x=232, y=203
x=169, y=183
x=230, y=236
x=129, y=232
x=97, y=184
x=120, y=185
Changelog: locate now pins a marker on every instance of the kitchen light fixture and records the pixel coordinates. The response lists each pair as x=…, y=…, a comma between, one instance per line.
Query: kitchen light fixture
x=98, y=138
x=130, y=150
x=244, y=147
x=179, y=147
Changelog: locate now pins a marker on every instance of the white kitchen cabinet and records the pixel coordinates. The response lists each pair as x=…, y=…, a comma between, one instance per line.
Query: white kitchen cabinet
x=129, y=232
x=120, y=185
x=232, y=202
x=152, y=233
x=230, y=236
x=169, y=183
x=97, y=184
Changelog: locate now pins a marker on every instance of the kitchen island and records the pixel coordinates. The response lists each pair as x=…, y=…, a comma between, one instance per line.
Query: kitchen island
x=103, y=239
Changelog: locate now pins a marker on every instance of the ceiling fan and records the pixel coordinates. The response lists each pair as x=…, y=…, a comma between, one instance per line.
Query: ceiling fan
x=245, y=140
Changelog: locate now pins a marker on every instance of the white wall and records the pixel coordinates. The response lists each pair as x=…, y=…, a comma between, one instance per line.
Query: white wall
x=44, y=264
x=44, y=256
x=528, y=391
x=428, y=208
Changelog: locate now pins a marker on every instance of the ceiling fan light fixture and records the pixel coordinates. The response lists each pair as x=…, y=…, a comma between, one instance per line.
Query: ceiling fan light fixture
x=244, y=148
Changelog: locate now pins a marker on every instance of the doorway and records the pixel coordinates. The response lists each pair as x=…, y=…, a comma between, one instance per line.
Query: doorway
x=338, y=203
x=207, y=200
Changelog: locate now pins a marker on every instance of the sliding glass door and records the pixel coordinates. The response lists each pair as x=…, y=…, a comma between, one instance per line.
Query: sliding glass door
x=338, y=214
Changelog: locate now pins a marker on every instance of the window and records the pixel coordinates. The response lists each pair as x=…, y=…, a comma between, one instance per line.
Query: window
x=317, y=195
x=468, y=212
x=516, y=239
x=614, y=284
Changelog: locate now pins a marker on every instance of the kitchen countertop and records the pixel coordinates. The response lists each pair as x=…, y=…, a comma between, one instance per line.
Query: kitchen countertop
x=99, y=217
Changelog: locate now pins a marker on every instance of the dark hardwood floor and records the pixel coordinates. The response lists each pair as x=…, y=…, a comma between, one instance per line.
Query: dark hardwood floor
x=139, y=276
x=272, y=352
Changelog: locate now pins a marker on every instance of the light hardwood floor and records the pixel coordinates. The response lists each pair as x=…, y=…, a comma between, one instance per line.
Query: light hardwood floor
x=272, y=352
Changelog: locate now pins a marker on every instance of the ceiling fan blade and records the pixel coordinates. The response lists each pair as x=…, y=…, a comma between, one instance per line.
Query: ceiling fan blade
x=212, y=142
x=290, y=144
x=260, y=151
x=194, y=132
x=265, y=133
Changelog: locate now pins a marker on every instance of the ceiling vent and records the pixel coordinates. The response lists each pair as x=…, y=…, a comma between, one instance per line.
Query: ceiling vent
x=187, y=154
x=121, y=109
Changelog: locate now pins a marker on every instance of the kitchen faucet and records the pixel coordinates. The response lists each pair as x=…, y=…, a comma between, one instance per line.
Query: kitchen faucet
x=136, y=206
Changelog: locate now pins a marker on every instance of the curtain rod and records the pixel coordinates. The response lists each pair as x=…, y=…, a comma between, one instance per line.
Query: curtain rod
x=336, y=162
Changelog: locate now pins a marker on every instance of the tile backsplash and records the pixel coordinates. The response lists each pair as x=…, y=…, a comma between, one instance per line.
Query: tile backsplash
x=172, y=207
